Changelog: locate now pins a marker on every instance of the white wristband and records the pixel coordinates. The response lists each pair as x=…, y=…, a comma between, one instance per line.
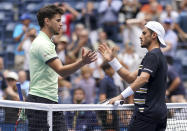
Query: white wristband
x=115, y=64
x=127, y=92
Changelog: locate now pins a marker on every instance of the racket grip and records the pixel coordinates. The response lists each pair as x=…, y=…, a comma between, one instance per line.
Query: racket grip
x=18, y=85
x=120, y=102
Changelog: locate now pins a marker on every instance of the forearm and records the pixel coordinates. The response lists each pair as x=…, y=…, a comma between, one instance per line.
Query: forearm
x=168, y=48
x=73, y=11
x=124, y=73
x=139, y=82
x=174, y=84
x=21, y=45
x=71, y=68
x=128, y=76
x=177, y=27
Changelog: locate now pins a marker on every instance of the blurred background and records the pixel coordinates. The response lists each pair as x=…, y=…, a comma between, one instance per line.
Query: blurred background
x=88, y=23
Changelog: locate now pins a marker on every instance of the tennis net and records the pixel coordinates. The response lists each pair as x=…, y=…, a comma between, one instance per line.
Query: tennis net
x=79, y=117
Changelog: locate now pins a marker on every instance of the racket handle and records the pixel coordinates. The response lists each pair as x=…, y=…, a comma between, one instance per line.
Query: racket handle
x=18, y=85
x=120, y=102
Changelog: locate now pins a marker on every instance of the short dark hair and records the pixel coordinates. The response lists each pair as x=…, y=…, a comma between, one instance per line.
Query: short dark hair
x=48, y=11
x=105, y=66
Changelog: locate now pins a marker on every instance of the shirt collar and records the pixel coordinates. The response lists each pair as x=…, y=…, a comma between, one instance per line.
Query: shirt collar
x=45, y=36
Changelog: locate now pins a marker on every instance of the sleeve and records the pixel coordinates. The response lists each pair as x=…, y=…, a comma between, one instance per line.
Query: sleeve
x=17, y=31
x=150, y=64
x=103, y=86
x=47, y=52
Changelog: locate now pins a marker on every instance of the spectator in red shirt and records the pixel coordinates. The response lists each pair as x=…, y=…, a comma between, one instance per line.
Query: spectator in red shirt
x=69, y=16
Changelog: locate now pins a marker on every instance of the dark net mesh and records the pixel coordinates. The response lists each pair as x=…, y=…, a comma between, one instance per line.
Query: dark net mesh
x=105, y=120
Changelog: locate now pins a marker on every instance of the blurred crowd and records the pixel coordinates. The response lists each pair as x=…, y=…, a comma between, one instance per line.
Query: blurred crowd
x=117, y=23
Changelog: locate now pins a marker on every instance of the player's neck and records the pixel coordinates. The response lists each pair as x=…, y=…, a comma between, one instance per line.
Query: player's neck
x=47, y=32
x=153, y=45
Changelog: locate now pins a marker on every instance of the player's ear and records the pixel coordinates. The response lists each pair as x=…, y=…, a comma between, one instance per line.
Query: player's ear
x=46, y=21
x=154, y=35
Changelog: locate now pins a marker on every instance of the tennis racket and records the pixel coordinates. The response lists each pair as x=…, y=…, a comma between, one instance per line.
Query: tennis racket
x=18, y=85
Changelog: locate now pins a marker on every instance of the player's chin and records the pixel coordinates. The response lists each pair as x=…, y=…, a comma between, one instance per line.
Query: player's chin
x=56, y=33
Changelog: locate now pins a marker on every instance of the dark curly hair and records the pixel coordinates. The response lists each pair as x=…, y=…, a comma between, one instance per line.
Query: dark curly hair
x=48, y=11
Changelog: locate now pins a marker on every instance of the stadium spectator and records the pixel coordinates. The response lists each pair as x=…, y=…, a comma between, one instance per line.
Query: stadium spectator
x=22, y=74
x=107, y=90
x=10, y=92
x=169, y=13
x=3, y=84
x=19, y=32
x=83, y=41
x=87, y=83
x=45, y=66
x=132, y=32
x=61, y=48
x=108, y=11
x=175, y=89
x=147, y=8
x=25, y=45
x=153, y=11
x=70, y=15
x=75, y=36
x=128, y=10
x=129, y=57
x=180, y=24
x=170, y=38
x=64, y=91
x=80, y=120
x=89, y=19
x=103, y=38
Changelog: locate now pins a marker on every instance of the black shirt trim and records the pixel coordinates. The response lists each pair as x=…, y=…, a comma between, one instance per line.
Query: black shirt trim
x=50, y=60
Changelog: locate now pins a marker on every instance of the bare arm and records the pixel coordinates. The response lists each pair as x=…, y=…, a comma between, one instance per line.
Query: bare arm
x=20, y=46
x=108, y=55
x=167, y=48
x=128, y=76
x=181, y=32
x=140, y=81
x=174, y=84
x=18, y=38
x=67, y=69
x=87, y=58
x=70, y=9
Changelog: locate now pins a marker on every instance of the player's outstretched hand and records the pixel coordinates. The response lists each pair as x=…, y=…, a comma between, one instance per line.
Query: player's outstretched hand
x=117, y=98
x=88, y=56
x=106, y=52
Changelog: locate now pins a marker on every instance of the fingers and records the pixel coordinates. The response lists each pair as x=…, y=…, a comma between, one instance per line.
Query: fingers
x=101, y=49
x=89, y=56
x=111, y=101
x=92, y=56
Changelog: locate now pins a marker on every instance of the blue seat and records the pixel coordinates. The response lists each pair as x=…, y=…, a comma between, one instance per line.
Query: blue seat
x=6, y=6
x=9, y=60
x=8, y=33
